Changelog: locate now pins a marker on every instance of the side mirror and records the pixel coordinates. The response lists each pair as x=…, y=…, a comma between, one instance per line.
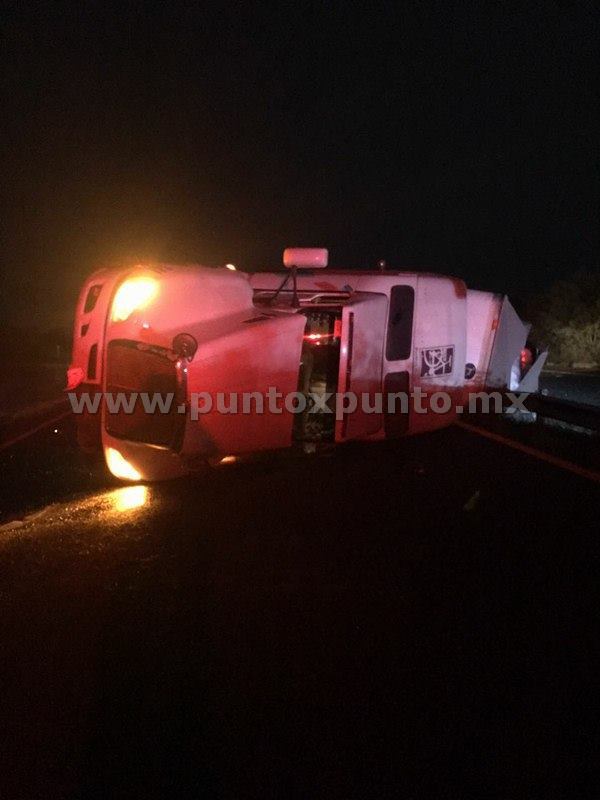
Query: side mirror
x=305, y=257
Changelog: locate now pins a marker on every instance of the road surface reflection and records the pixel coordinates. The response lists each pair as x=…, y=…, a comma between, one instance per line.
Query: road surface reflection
x=113, y=507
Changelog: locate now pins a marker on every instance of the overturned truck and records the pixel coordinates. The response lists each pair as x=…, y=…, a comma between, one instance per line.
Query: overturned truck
x=174, y=366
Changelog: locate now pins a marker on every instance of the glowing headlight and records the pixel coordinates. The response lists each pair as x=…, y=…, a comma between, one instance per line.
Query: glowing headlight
x=132, y=295
x=119, y=466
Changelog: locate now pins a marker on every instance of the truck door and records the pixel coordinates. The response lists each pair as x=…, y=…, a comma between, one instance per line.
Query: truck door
x=361, y=353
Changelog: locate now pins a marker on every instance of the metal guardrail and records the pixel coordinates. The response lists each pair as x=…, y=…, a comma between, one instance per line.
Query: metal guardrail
x=584, y=416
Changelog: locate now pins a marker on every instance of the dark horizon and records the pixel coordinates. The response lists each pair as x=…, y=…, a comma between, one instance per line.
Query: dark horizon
x=453, y=140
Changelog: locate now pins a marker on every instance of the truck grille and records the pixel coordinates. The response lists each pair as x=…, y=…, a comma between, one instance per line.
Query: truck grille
x=134, y=369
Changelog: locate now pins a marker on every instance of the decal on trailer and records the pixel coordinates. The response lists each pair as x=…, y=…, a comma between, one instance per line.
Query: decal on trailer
x=470, y=371
x=437, y=361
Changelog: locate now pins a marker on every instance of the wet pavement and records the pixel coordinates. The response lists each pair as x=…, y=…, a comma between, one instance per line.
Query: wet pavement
x=414, y=619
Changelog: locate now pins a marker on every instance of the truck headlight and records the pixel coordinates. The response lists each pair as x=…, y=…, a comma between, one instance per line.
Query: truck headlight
x=132, y=294
x=119, y=466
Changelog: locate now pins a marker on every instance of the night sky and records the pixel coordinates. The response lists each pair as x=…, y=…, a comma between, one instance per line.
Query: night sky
x=453, y=138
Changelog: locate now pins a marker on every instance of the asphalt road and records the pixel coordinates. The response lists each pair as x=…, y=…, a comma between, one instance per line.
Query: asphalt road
x=410, y=620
